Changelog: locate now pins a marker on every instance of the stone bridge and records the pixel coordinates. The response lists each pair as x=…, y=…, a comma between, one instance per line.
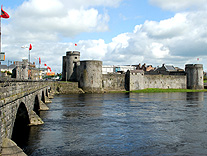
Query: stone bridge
x=20, y=103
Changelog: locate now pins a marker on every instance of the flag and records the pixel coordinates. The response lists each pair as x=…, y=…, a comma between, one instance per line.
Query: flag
x=39, y=60
x=76, y=44
x=3, y=13
x=30, y=47
x=49, y=68
x=45, y=64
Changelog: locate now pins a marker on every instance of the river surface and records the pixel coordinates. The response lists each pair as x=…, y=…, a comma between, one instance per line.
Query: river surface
x=122, y=124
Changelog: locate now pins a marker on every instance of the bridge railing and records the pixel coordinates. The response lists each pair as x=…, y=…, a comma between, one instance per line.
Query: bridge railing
x=15, y=89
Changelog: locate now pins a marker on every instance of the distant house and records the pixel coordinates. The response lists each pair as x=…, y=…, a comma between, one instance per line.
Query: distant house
x=149, y=68
x=144, y=67
x=106, y=69
x=11, y=67
x=3, y=67
x=169, y=70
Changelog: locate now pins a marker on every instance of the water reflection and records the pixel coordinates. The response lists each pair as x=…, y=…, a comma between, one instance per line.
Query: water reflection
x=122, y=124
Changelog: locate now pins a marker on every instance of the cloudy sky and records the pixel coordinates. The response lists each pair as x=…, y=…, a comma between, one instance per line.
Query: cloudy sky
x=118, y=32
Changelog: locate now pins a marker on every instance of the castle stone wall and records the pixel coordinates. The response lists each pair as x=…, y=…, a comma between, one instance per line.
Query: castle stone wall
x=64, y=68
x=136, y=81
x=165, y=81
x=90, y=79
x=113, y=82
x=70, y=65
x=194, y=76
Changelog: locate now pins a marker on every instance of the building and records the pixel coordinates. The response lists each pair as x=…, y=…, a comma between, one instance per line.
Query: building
x=106, y=69
x=21, y=70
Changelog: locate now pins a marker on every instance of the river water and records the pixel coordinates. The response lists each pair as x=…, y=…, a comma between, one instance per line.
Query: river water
x=122, y=124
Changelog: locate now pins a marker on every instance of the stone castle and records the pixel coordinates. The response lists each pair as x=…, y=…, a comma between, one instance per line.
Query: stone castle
x=89, y=76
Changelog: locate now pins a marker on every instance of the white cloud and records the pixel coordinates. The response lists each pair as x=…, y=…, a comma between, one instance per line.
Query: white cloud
x=159, y=50
x=39, y=18
x=174, y=41
x=92, y=49
x=173, y=27
x=177, y=40
x=175, y=5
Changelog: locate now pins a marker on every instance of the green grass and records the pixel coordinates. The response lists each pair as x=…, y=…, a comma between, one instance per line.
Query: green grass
x=156, y=90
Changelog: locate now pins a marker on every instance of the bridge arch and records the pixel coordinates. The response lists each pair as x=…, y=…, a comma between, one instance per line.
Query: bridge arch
x=36, y=105
x=46, y=92
x=21, y=127
x=43, y=96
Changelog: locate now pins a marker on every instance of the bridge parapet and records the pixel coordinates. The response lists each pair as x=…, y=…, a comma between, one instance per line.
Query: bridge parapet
x=11, y=88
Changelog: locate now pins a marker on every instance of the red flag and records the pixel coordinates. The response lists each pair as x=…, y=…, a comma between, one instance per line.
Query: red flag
x=39, y=60
x=30, y=47
x=45, y=64
x=49, y=68
x=3, y=13
x=76, y=44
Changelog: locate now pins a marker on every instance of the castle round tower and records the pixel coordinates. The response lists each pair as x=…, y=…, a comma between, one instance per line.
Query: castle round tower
x=194, y=76
x=90, y=79
x=70, y=66
x=64, y=69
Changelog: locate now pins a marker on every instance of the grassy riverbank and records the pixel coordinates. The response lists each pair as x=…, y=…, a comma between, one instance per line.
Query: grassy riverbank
x=156, y=90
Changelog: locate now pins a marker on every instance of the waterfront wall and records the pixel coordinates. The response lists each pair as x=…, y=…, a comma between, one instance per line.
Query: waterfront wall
x=67, y=88
x=165, y=81
x=137, y=81
x=113, y=82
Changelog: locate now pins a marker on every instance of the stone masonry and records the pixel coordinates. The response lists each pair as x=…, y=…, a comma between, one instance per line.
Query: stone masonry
x=13, y=95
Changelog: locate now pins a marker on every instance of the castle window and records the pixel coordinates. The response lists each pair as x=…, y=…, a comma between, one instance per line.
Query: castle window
x=75, y=57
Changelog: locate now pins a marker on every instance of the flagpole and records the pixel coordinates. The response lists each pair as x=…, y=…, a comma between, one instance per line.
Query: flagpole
x=39, y=68
x=29, y=66
x=0, y=34
x=3, y=15
x=0, y=38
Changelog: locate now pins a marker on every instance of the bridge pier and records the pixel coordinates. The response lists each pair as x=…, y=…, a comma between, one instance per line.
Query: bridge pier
x=43, y=106
x=9, y=147
x=47, y=100
x=35, y=119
